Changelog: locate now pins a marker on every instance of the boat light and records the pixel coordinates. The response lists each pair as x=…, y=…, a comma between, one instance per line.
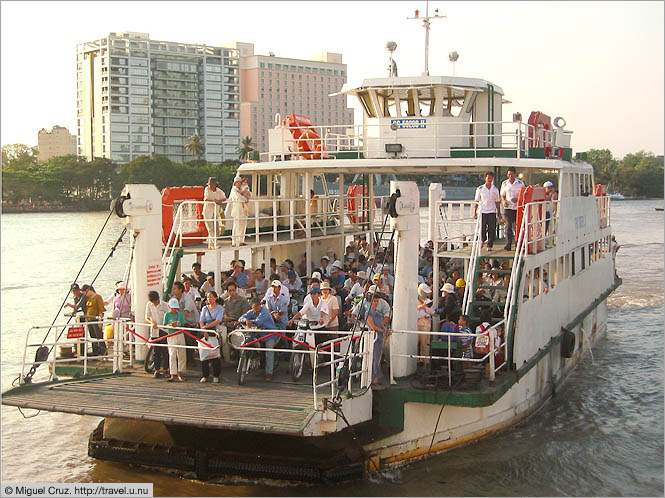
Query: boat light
x=394, y=148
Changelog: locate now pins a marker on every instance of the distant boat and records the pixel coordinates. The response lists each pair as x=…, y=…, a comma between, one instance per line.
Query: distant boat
x=617, y=197
x=659, y=209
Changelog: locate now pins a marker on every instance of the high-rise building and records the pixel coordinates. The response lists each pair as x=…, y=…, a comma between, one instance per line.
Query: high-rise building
x=57, y=142
x=271, y=85
x=137, y=96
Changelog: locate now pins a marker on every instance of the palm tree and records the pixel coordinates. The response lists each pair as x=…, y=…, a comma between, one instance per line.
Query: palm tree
x=245, y=149
x=195, y=145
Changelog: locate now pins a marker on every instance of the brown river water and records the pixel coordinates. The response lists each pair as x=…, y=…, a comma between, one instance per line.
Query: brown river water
x=601, y=435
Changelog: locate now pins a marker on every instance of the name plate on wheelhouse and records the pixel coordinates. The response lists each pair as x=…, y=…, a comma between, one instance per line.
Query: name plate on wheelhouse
x=408, y=124
x=76, y=332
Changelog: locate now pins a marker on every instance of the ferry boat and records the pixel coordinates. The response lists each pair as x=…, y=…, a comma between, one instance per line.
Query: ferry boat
x=336, y=424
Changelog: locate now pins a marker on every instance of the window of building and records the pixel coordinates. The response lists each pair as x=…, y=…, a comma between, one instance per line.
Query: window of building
x=139, y=81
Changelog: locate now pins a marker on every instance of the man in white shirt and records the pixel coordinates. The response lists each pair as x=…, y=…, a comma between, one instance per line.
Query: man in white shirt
x=213, y=198
x=315, y=310
x=191, y=291
x=487, y=196
x=510, y=192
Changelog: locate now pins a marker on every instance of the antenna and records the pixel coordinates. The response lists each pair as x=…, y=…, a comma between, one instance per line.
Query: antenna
x=426, y=23
x=391, y=46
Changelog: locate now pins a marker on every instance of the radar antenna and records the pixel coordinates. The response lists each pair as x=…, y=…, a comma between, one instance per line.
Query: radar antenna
x=426, y=23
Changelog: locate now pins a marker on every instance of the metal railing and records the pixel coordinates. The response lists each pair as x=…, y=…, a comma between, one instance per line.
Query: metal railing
x=450, y=336
x=77, y=339
x=603, y=205
x=438, y=139
x=334, y=359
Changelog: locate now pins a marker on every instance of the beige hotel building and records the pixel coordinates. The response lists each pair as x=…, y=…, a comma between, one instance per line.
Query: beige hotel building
x=270, y=85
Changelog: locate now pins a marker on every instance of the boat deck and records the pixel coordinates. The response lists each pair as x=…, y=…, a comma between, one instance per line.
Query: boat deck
x=280, y=407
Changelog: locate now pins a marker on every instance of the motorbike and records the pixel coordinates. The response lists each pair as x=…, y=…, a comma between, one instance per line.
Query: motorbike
x=251, y=357
x=304, y=335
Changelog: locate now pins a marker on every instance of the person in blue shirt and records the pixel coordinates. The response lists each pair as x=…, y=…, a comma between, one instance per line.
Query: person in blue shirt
x=278, y=304
x=337, y=280
x=260, y=317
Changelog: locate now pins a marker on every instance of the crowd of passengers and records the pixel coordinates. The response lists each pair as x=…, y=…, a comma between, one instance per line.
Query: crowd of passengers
x=333, y=294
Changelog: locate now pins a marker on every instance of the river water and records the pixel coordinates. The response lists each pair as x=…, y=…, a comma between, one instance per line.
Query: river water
x=601, y=435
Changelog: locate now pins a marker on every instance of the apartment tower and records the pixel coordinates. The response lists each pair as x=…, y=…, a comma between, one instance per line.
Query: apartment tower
x=273, y=85
x=57, y=142
x=137, y=96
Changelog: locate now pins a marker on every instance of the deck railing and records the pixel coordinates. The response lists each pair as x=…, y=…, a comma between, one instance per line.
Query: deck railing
x=455, y=336
x=440, y=139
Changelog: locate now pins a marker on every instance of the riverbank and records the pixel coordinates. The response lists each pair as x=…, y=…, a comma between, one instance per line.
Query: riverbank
x=83, y=207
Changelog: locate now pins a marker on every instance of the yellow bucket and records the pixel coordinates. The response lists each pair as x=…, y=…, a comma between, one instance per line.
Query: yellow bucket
x=108, y=332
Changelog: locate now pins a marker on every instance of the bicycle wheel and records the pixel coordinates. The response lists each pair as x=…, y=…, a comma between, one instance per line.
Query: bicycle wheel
x=296, y=365
x=149, y=362
x=243, y=368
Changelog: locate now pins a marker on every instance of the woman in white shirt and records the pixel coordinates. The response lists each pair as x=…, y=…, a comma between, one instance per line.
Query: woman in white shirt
x=214, y=198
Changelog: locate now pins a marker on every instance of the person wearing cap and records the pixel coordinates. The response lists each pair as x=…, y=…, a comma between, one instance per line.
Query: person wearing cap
x=424, y=313
x=378, y=323
x=450, y=309
x=209, y=284
x=94, y=313
x=460, y=287
x=551, y=195
x=79, y=300
x=213, y=198
x=283, y=271
x=155, y=309
x=121, y=304
x=238, y=275
x=294, y=284
x=238, y=209
x=174, y=319
x=314, y=310
x=332, y=304
x=361, y=309
x=337, y=279
x=373, y=267
x=510, y=192
x=234, y=306
x=259, y=316
x=277, y=304
x=489, y=199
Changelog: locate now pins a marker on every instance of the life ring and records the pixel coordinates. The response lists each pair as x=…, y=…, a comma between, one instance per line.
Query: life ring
x=308, y=141
x=172, y=196
x=557, y=122
x=355, y=201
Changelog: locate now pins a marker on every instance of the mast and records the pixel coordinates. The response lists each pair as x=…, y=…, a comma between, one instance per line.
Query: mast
x=426, y=23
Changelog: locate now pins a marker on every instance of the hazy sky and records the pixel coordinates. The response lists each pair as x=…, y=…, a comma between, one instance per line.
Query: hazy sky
x=597, y=64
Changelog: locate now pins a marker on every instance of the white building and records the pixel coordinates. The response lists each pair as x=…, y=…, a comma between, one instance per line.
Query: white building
x=137, y=96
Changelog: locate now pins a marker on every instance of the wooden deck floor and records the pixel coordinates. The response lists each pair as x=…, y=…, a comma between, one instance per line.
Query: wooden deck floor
x=278, y=407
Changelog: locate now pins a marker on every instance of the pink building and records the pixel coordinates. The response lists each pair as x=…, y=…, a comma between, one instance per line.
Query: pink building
x=271, y=85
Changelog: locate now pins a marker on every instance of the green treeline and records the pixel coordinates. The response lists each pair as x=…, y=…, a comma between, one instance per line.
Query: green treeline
x=72, y=181
x=636, y=175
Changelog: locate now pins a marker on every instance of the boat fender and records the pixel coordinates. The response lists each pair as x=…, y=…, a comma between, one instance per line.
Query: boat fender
x=392, y=210
x=567, y=343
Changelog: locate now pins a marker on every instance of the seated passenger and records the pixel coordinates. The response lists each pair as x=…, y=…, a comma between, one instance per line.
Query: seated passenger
x=278, y=304
x=234, y=307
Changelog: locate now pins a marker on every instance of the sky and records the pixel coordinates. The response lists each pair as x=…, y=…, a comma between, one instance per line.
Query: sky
x=599, y=65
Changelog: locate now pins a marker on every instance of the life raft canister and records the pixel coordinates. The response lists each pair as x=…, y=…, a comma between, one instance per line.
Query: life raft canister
x=307, y=139
x=355, y=200
x=174, y=195
x=536, y=214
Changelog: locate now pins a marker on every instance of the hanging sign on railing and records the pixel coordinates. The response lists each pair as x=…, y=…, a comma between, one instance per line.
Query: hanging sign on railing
x=76, y=332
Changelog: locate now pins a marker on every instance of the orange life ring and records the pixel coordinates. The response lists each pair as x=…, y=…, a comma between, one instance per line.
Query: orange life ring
x=173, y=195
x=307, y=139
x=355, y=200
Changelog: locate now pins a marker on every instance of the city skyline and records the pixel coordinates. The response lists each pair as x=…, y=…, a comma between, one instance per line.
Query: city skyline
x=597, y=64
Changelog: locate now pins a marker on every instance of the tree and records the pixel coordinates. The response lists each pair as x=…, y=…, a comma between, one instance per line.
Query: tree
x=605, y=167
x=195, y=145
x=245, y=149
x=19, y=157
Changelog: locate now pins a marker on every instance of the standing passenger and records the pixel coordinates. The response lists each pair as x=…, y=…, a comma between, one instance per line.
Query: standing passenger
x=155, y=309
x=238, y=209
x=214, y=197
x=94, y=313
x=487, y=196
x=211, y=318
x=177, y=355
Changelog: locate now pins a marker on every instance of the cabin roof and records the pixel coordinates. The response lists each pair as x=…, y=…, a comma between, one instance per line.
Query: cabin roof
x=419, y=82
x=414, y=166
